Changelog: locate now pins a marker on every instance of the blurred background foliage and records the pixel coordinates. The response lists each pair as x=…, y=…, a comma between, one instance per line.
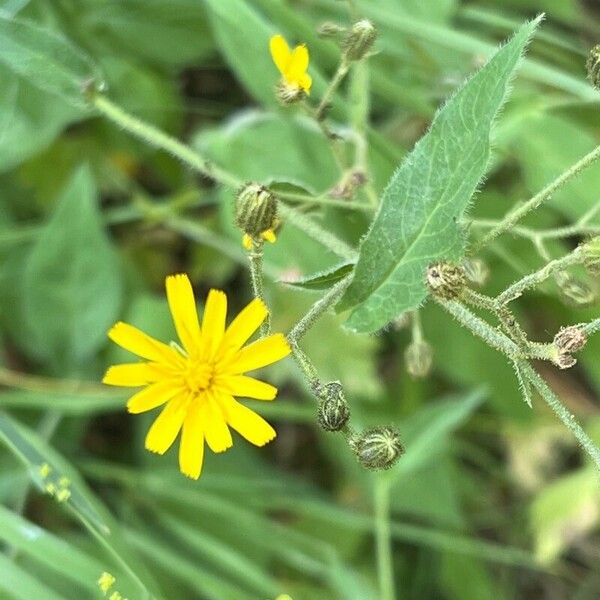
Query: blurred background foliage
x=492, y=499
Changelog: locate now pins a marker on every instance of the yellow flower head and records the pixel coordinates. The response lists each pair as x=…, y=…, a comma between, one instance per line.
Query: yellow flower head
x=106, y=581
x=197, y=383
x=292, y=65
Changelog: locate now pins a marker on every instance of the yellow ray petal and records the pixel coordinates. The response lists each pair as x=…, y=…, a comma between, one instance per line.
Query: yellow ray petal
x=152, y=396
x=165, y=428
x=280, y=52
x=134, y=374
x=258, y=354
x=216, y=432
x=191, y=447
x=246, y=387
x=140, y=343
x=213, y=321
x=243, y=326
x=297, y=65
x=305, y=82
x=183, y=308
x=247, y=423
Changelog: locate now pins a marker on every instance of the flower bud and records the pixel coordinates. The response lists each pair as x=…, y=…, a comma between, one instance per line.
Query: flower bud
x=255, y=210
x=378, y=448
x=333, y=409
x=445, y=280
x=359, y=39
x=418, y=358
x=575, y=292
x=591, y=255
x=570, y=339
x=476, y=271
x=565, y=361
x=593, y=66
x=330, y=30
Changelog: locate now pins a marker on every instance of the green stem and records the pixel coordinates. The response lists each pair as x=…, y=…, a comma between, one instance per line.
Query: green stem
x=317, y=233
x=255, y=257
x=157, y=138
x=515, y=216
x=592, y=327
x=561, y=412
x=341, y=72
x=383, y=537
x=534, y=279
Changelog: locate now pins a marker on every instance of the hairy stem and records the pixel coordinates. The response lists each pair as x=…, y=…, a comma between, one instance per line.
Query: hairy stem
x=255, y=257
x=157, y=138
x=513, y=217
x=534, y=279
x=341, y=72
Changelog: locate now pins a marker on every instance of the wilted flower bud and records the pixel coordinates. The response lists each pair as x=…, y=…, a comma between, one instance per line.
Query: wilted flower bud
x=445, y=280
x=575, y=292
x=333, y=409
x=570, y=339
x=476, y=271
x=591, y=255
x=378, y=448
x=330, y=30
x=255, y=210
x=359, y=39
x=565, y=361
x=418, y=358
x=289, y=94
x=593, y=66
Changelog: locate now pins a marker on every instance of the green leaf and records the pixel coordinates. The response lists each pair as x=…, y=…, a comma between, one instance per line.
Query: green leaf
x=46, y=59
x=72, y=285
x=417, y=220
x=322, y=280
x=19, y=584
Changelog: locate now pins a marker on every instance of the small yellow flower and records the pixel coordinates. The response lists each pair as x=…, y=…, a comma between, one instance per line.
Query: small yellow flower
x=198, y=382
x=63, y=495
x=115, y=596
x=50, y=489
x=106, y=581
x=292, y=64
x=268, y=235
x=45, y=470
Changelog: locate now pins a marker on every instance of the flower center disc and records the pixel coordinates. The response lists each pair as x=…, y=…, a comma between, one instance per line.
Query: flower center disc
x=198, y=376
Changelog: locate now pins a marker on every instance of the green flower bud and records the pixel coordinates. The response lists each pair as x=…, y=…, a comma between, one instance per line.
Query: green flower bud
x=476, y=271
x=575, y=292
x=330, y=30
x=359, y=39
x=333, y=409
x=378, y=448
x=418, y=358
x=445, y=280
x=591, y=255
x=255, y=210
x=593, y=66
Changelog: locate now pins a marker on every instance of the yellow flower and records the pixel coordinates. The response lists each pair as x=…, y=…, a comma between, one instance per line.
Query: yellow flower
x=292, y=64
x=198, y=382
x=106, y=581
x=268, y=235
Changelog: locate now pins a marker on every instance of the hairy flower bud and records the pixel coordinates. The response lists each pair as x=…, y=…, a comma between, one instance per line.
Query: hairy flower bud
x=445, y=280
x=359, y=39
x=330, y=30
x=418, y=358
x=378, y=447
x=289, y=94
x=574, y=291
x=570, y=339
x=333, y=409
x=476, y=271
x=255, y=210
x=565, y=361
x=593, y=66
x=591, y=255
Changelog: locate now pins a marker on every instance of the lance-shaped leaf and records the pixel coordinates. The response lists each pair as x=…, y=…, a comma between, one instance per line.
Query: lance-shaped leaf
x=416, y=224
